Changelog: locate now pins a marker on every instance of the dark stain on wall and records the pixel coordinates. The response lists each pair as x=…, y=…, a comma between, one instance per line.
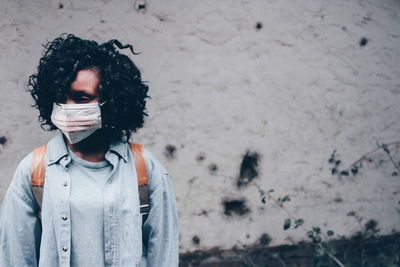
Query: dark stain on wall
x=201, y=156
x=140, y=5
x=203, y=212
x=371, y=225
x=60, y=6
x=259, y=26
x=363, y=41
x=265, y=239
x=196, y=240
x=248, y=168
x=3, y=140
x=213, y=168
x=338, y=199
x=191, y=181
x=235, y=207
x=170, y=151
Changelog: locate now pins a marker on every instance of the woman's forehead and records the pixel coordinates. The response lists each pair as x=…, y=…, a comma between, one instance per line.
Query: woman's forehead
x=86, y=81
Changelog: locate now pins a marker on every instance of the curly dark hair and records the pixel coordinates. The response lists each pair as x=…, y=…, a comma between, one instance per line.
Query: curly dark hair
x=120, y=81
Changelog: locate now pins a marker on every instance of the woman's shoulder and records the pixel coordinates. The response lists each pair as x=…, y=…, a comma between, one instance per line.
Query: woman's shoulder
x=20, y=182
x=23, y=171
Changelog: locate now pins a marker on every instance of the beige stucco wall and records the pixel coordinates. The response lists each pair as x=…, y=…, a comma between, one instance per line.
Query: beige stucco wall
x=291, y=91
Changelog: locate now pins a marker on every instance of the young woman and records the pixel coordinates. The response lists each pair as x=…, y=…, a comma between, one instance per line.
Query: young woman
x=87, y=209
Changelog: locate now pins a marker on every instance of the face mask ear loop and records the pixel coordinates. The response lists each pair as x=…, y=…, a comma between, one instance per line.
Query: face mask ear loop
x=100, y=104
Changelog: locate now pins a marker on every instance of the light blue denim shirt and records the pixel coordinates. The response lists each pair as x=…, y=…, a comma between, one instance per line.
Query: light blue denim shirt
x=26, y=242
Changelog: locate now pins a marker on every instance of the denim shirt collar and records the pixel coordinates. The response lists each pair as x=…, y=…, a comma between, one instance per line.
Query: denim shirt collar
x=57, y=150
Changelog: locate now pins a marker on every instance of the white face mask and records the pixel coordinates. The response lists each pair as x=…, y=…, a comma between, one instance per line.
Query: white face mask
x=77, y=121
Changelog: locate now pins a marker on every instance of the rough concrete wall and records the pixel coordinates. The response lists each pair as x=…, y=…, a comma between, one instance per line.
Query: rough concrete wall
x=234, y=83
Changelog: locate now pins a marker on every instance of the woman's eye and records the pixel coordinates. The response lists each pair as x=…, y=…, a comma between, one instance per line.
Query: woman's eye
x=83, y=100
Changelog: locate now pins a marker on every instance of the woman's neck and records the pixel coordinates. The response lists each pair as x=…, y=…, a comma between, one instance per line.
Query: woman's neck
x=92, y=148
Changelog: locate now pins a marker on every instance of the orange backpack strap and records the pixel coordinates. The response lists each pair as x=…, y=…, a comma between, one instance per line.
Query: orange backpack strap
x=140, y=165
x=38, y=174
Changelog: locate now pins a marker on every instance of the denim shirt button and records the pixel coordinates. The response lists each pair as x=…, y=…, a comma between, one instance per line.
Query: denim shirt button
x=64, y=218
x=65, y=183
x=64, y=249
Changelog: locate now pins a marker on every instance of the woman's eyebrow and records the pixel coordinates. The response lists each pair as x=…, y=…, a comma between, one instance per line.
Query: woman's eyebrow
x=80, y=93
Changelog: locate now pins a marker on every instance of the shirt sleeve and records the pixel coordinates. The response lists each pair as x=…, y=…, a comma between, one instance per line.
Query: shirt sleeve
x=160, y=230
x=20, y=229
